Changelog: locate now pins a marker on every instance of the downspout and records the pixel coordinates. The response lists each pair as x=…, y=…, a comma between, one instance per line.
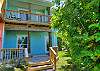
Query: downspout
x=1, y=31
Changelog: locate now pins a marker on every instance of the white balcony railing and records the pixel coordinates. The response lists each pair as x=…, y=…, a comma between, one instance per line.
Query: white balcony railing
x=12, y=53
x=23, y=16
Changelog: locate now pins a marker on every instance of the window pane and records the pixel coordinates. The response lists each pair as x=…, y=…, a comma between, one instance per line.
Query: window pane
x=22, y=41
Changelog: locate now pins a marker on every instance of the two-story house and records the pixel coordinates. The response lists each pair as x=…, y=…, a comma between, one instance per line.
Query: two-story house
x=27, y=25
x=25, y=29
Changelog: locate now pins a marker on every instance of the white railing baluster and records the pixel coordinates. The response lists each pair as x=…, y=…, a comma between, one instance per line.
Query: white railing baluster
x=8, y=54
x=15, y=54
x=19, y=54
x=5, y=55
x=1, y=55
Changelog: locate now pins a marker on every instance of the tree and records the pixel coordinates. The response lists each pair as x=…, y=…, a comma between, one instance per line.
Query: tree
x=78, y=25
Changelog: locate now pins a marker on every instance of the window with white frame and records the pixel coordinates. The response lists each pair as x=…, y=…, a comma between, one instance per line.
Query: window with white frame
x=22, y=41
x=22, y=14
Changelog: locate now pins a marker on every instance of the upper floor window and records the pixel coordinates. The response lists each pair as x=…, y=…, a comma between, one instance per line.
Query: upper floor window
x=23, y=14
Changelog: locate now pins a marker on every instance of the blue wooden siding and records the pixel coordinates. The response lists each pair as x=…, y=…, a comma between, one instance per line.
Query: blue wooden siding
x=9, y=39
x=54, y=39
x=14, y=5
x=37, y=40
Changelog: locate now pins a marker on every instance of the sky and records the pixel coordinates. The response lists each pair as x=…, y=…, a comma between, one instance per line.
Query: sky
x=1, y=1
x=50, y=0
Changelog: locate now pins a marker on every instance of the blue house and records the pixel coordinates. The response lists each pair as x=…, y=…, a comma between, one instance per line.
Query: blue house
x=25, y=32
x=27, y=25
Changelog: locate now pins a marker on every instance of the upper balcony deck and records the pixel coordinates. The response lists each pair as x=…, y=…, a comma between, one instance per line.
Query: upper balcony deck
x=25, y=17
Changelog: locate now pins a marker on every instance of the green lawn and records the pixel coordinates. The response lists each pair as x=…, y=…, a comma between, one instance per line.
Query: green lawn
x=18, y=69
x=62, y=62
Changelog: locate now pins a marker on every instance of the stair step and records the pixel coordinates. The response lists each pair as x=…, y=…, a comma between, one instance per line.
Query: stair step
x=32, y=64
x=44, y=67
x=48, y=70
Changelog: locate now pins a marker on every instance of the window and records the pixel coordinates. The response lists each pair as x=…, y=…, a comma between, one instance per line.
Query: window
x=23, y=14
x=22, y=41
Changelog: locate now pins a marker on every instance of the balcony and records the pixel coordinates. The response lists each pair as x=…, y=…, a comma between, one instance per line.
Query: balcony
x=26, y=17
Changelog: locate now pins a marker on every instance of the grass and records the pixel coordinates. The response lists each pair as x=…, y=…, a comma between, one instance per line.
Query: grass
x=62, y=62
x=18, y=69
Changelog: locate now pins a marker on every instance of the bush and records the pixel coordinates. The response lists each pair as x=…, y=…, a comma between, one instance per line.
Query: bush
x=6, y=68
x=78, y=26
x=12, y=64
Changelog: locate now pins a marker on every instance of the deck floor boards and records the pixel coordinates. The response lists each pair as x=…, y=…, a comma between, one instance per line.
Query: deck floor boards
x=39, y=58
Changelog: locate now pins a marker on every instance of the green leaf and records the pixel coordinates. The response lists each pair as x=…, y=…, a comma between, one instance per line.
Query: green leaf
x=98, y=39
x=97, y=36
x=94, y=26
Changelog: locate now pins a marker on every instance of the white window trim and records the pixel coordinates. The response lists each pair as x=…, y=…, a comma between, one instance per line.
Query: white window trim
x=46, y=38
x=22, y=10
x=17, y=40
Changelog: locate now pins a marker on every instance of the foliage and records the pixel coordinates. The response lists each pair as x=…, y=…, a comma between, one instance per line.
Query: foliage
x=13, y=65
x=6, y=68
x=21, y=64
x=78, y=25
x=62, y=64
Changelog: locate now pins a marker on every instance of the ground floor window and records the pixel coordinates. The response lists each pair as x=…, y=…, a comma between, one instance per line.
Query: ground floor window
x=22, y=41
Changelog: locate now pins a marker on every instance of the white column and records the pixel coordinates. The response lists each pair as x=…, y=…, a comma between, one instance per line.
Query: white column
x=1, y=55
x=26, y=52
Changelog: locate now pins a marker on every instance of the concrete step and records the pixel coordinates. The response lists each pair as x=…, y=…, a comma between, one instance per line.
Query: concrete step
x=43, y=67
x=32, y=64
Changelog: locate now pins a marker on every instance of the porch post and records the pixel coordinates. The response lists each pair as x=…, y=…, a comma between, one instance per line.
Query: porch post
x=50, y=40
x=26, y=55
x=26, y=52
x=29, y=51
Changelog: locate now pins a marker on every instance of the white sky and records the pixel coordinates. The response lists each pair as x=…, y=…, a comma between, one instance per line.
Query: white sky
x=1, y=1
x=50, y=0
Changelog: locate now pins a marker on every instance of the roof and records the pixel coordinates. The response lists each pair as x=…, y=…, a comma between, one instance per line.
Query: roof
x=38, y=2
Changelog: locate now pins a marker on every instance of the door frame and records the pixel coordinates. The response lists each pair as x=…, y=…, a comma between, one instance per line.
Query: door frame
x=17, y=39
x=46, y=41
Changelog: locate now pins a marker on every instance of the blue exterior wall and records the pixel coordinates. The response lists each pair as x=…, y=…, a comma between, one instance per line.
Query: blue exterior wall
x=54, y=39
x=10, y=39
x=13, y=5
x=37, y=40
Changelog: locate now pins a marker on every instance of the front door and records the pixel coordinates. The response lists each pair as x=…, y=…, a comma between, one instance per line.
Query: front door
x=22, y=41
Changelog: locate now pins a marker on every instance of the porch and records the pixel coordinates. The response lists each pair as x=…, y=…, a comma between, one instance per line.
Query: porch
x=37, y=42
x=33, y=62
